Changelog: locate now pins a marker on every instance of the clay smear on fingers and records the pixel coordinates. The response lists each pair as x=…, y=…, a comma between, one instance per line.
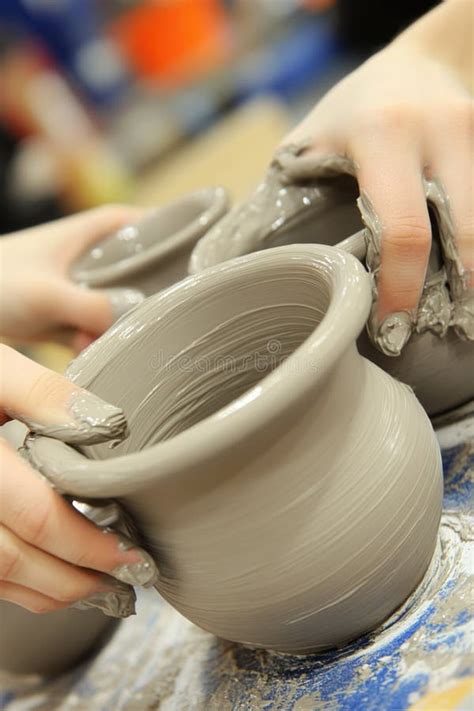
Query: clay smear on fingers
x=462, y=294
x=446, y=300
x=87, y=420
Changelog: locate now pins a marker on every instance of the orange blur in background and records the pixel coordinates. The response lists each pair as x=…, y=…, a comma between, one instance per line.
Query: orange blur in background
x=169, y=42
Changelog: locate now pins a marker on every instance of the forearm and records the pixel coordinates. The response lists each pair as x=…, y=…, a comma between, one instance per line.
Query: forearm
x=447, y=35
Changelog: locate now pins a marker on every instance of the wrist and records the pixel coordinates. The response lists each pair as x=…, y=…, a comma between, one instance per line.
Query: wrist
x=445, y=35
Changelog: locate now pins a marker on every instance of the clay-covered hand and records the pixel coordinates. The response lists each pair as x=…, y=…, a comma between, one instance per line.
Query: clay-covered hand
x=403, y=124
x=51, y=556
x=38, y=300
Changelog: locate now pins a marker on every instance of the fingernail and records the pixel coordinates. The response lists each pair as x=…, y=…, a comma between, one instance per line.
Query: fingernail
x=123, y=300
x=118, y=602
x=143, y=571
x=394, y=332
x=92, y=421
x=138, y=569
x=97, y=420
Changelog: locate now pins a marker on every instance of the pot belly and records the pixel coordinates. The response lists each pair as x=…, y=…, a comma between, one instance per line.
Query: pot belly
x=316, y=538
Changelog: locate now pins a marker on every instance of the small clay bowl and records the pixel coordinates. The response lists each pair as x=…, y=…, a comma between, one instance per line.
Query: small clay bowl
x=153, y=253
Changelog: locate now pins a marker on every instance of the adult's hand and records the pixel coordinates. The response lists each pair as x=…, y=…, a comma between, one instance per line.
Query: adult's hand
x=51, y=556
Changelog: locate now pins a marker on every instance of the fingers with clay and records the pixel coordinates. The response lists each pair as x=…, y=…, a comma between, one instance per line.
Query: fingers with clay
x=419, y=286
x=402, y=125
x=51, y=555
x=393, y=208
x=39, y=300
x=53, y=406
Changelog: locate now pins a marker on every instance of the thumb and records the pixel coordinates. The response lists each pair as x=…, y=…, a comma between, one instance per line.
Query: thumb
x=51, y=405
x=93, y=310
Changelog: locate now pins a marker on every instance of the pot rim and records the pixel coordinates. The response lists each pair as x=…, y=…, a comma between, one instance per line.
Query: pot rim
x=350, y=293
x=215, y=202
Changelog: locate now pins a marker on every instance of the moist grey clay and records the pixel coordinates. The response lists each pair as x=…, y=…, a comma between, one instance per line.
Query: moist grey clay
x=439, y=308
x=91, y=421
x=296, y=203
x=278, y=206
x=154, y=252
x=289, y=489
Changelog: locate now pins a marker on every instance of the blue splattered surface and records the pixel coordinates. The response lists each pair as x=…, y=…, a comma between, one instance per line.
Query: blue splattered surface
x=158, y=660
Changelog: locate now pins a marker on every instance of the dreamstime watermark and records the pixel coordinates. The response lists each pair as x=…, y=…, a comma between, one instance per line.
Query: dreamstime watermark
x=262, y=360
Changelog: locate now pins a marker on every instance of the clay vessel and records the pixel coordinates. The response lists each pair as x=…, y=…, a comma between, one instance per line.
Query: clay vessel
x=47, y=644
x=289, y=489
x=438, y=369
x=154, y=252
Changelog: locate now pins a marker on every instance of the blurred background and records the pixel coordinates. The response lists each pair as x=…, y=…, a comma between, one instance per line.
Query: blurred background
x=142, y=100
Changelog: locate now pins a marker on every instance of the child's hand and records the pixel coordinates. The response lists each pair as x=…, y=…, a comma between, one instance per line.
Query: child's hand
x=38, y=300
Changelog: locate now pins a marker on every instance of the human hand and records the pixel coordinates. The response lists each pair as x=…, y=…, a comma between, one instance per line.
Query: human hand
x=51, y=556
x=38, y=300
x=402, y=124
